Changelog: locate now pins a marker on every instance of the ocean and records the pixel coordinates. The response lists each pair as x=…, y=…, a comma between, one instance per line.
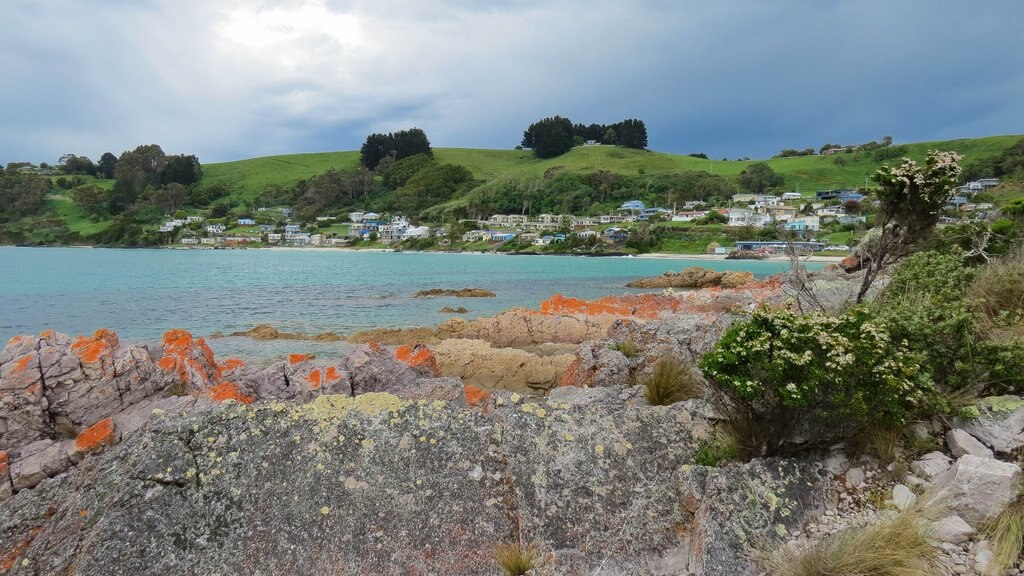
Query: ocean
x=140, y=294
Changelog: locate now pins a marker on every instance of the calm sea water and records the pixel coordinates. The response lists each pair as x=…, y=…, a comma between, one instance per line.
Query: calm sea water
x=142, y=293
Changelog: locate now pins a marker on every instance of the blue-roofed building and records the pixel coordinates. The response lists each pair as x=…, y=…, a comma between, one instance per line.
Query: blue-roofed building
x=632, y=205
x=246, y=222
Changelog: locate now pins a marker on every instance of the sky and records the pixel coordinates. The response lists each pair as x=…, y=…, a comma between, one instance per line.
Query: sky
x=233, y=79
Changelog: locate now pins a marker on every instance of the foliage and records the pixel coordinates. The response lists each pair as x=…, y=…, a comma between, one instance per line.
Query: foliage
x=549, y=137
x=516, y=559
x=785, y=380
x=71, y=164
x=92, y=199
x=1006, y=533
x=759, y=177
x=894, y=547
x=722, y=448
x=105, y=167
x=21, y=194
x=910, y=197
x=628, y=348
x=671, y=381
x=433, y=184
x=397, y=174
x=398, y=145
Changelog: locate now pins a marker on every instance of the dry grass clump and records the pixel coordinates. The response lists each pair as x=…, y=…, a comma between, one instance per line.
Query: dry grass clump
x=998, y=294
x=1006, y=533
x=515, y=559
x=895, y=547
x=672, y=381
x=628, y=348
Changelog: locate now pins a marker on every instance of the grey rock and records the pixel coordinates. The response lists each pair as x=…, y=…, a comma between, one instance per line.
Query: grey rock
x=974, y=488
x=32, y=463
x=597, y=365
x=854, y=477
x=999, y=424
x=951, y=529
x=446, y=389
x=903, y=497
x=373, y=484
x=374, y=369
x=930, y=466
x=960, y=443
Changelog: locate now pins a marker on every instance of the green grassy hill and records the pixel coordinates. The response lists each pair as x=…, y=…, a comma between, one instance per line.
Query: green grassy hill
x=247, y=178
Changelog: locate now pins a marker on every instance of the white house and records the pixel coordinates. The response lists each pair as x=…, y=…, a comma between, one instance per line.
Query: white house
x=689, y=216
x=791, y=196
x=742, y=217
x=190, y=240
x=356, y=216
x=215, y=228
x=273, y=238
x=416, y=232
x=191, y=219
x=316, y=239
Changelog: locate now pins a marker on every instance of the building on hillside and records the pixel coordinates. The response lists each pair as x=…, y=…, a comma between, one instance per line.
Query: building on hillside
x=776, y=246
x=688, y=216
x=192, y=219
x=215, y=228
x=355, y=217
x=791, y=196
x=246, y=222
x=743, y=217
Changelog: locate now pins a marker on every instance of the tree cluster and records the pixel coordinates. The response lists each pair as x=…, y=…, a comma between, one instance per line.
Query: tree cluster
x=394, y=145
x=759, y=177
x=556, y=135
x=21, y=194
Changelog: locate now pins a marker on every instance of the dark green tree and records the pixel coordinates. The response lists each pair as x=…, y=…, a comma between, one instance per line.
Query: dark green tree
x=105, y=167
x=181, y=169
x=632, y=133
x=759, y=177
x=401, y=144
x=549, y=137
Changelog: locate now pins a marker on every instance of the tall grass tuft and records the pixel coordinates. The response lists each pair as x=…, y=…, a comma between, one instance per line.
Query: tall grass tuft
x=895, y=547
x=628, y=348
x=672, y=381
x=1006, y=533
x=515, y=559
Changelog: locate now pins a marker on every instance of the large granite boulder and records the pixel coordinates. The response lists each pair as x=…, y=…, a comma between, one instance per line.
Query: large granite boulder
x=478, y=363
x=597, y=365
x=976, y=489
x=998, y=422
x=379, y=485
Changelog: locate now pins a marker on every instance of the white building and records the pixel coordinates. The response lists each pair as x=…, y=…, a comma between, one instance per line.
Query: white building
x=215, y=228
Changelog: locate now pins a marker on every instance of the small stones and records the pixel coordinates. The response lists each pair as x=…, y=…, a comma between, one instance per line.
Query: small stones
x=854, y=477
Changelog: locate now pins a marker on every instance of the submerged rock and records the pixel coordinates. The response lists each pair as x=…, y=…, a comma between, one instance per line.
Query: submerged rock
x=460, y=293
x=694, y=277
x=268, y=332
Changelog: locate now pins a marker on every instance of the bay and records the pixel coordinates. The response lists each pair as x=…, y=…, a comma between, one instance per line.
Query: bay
x=140, y=294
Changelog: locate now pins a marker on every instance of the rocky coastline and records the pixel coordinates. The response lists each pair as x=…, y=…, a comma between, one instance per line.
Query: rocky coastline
x=422, y=450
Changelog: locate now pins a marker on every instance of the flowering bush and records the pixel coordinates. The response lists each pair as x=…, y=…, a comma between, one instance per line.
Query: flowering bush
x=787, y=381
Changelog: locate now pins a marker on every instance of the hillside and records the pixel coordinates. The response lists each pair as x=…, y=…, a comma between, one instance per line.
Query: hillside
x=247, y=178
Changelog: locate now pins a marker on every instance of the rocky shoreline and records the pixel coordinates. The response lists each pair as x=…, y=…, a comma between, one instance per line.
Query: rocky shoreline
x=527, y=427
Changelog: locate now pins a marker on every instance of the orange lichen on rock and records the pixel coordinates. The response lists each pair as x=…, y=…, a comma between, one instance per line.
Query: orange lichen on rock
x=227, y=391
x=11, y=556
x=15, y=340
x=47, y=335
x=332, y=374
x=89, y=350
x=22, y=364
x=418, y=356
x=96, y=436
x=4, y=464
x=315, y=379
x=178, y=351
x=108, y=336
x=294, y=359
x=229, y=365
x=375, y=346
x=571, y=375
x=638, y=305
x=478, y=397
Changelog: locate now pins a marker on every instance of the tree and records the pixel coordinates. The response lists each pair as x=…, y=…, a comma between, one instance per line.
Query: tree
x=910, y=197
x=401, y=144
x=609, y=137
x=71, y=164
x=92, y=199
x=181, y=169
x=759, y=177
x=105, y=167
x=632, y=133
x=549, y=137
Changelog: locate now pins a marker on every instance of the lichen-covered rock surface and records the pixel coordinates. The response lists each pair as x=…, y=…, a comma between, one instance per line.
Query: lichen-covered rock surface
x=374, y=484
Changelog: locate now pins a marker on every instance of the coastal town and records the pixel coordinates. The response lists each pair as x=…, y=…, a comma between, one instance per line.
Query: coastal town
x=798, y=221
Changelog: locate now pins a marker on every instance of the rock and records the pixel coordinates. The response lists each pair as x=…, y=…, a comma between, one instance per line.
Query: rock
x=450, y=310
x=597, y=365
x=694, y=277
x=268, y=332
x=393, y=336
x=430, y=389
x=851, y=264
x=998, y=422
x=903, y=497
x=371, y=368
x=854, y=477
x=951, y=529
x=960, y=443
x=33, y=463
x=975, y=488
x=420, y=358
x=982, y=562
x=520, y=327
x=479, y=364
x=931, y=465
x=460, y=293
x=5, y=477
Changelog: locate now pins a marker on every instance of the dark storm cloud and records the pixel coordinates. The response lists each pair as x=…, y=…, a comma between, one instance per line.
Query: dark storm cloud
x=230, y=79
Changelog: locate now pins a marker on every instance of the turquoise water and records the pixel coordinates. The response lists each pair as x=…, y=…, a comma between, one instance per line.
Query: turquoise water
x=142, y=293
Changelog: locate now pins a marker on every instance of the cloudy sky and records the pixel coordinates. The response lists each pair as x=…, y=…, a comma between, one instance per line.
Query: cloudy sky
x=231, y=79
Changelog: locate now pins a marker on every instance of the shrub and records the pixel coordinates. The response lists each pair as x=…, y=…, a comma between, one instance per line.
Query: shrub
x=628, y=348
x=895, y=547
x=787, y=381
x=515, y=559
x=671, y=381
x=998, y=292
x=721, y=449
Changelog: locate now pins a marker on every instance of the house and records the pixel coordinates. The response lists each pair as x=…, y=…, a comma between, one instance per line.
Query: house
x=370, y=216
x=615, y=234
x=799, y=228
x=773, y=246
x=632, y=205
x=292, y=229
x=830, y=211
x=587, y=234
x=386, y=233
x=647, y=213
x=689, y=216
x=852, y=219
x=510, y=220
x=742, y=217
x=356, y=217
x=527, y=237
x=286, y=212
x=502, y=236
x=694, y=204
x=190, y=240
x=266, y=228
x=744, y=198
x=296, y=239
x=326, y=218
x=473, y=236
x=582, y=222
x=273, y=238
x=416, y=232
x=208, y=241
x=215, y=228
x=833, y=194
x=192, y=219
x=611, y=219
x=850, y=197
x=246, y=222
x=811, y=223
x=791, y=196
x=316, y=239
x=559, y=238
x=781, y=212
x=543, y=241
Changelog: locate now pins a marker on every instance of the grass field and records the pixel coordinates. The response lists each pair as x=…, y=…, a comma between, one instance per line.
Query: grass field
x=247, y=178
